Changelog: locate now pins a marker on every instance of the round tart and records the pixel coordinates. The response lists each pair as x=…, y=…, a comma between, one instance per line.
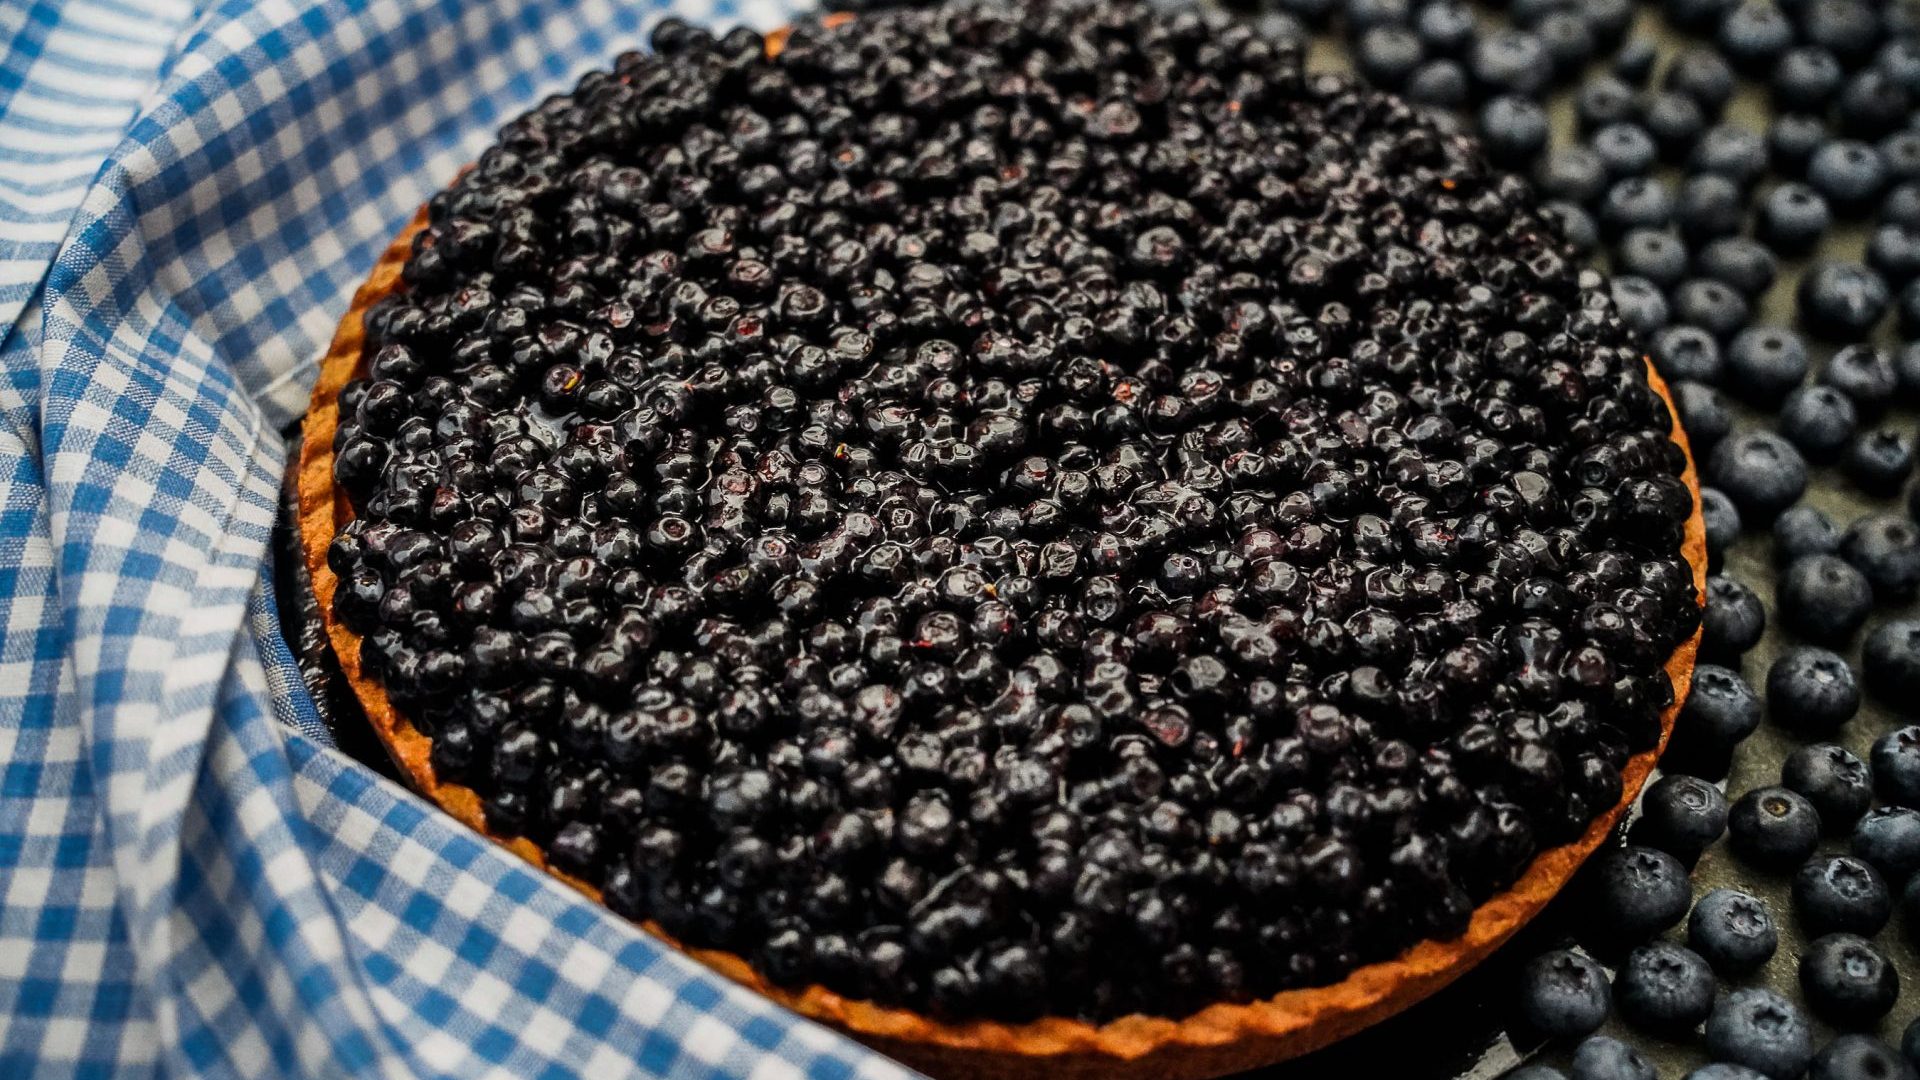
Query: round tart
x=1044, y=537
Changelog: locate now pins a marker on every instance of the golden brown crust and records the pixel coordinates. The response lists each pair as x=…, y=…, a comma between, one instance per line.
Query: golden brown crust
x=1217, y=1040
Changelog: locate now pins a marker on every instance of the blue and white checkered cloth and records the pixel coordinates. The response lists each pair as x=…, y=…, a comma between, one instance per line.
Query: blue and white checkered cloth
x=189, y=884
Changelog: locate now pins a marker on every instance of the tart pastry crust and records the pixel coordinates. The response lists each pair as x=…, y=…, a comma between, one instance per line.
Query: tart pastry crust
x=1222, y=1038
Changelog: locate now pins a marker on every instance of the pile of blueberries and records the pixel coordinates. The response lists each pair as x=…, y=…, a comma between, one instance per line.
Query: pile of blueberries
x=1698, y=217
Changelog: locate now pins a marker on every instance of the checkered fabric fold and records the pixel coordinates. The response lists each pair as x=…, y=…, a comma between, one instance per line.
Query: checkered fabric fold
x=189, y=884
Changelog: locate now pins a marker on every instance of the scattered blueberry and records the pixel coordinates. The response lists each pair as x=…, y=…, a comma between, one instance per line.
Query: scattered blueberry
x=1707, y=414
x=1661, y=258
x=1510, y=61
x=1804, y=530
x=1713, y=306
x=1872, y=105
x=1765, y=364
x=1634, y=63
x=1640, y=303
x=1641, y=891
x=1603, y=102
x=1792, y=218
x=1675, y=122
x=1824, y=599
x=1893, y=252
x=1820, y=421
x=1601, y=1057
x=1441, y=83
x=1387, y=54
x=1513, y=130
x=1895, y=759
x=1733, y=931
x=1792, y=139
x=1720, y=711
x=1890, y=661
x=1635, y=202
x=1901, y=206
x=1847, y=980
x=1888, y=837
x=1728, y=150
x=1833, y=779
x=1681, y=815
x=1761, y=1030
x=1722, y=521
x=1734, y=619
x=1574, y=173
x=1857, y=1056
x=1865, y=374
x=1740, y=262
x=1725, y=1070
x=1664, y=988
x=1850, y=174
x=1710, y=206
x=1812, y=691
x=1564, y=994
x=1536, y=1072
x=1754, y=35
x=1841, y=893
x=1773, y=828
x=1760, y=471
x=1841, y=301
x=1704, y=76
x=1806, y=78
x=1885, y=548
x=1878, y=461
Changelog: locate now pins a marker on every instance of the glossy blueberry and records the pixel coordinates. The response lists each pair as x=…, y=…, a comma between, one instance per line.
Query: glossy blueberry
x=1841, y=301
x=1664, y=988
x=1760, y=471
x=1765, y=364
x=1888, y=837
x=1804, y=530
x=1820, y=421
x=1896, y=766
x=1890, y=660
x=1847, y=980
x=1741, y=262
x=1761, y=1030
x=1855, y=1056
x=1640, y=891
x=1564, y=994
x=1886, y=549
x=1734, y=620
x=1849, y=174
x=1812, y=691
x=1600, y=1057
x=1773, y=828
x=1824, y=599
x=1732, y=931
x=1659, y=257
x=1833, y=779
x=1705, y=412
x=1878, y=461
x=1681, y=815
x=1792, y=218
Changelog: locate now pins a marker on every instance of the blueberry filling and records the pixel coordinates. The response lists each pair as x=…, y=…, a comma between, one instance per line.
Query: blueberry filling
x=1013, y=509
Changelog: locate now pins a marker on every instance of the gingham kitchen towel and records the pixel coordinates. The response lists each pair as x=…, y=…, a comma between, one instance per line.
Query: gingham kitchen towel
x=190, y=885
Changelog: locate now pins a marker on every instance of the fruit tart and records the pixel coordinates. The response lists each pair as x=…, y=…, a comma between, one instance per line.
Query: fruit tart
x=1046, y=537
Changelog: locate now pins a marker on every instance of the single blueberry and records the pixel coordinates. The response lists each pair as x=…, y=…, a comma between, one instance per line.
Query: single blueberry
x=1739, y=261
x=1730, y=151
x=1833, y=779
x=1640, y=891
x=1764, y=364
x=1820, y=421
x=1733, y=931
x=1720, y=712
x=1734, y=620
x=1806, y=78
x=1841, y=893
x=1709, y=207
x=1625, y=149
x=1761, y=1030
x=1601, y=1057
x=1681, y=815
x=1886, y=549
x=1804, y=530
x=1878, y=461
x=1849, y=174
x=1792, y=218
x=1841, y=301
x=1895, y=759
x=1564, y=994
x=1856, y=1056
x=1824, y=599
x=1722, y=520
x=1890, y=661
x=1714, y=306
x=1659, y=257
x=1866, y=374
x=1640, y=303
x=1812, y=691
x=1888, y=837
x=1792, y=139
x=1705, y=413
x=1664, y=988
x=1760, y=471
x=1675, y=122
x=1847, y=980
x=1574, y=173
x=1773, y=828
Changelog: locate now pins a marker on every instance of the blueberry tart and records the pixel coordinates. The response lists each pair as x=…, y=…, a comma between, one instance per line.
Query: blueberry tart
x=1046, y=537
